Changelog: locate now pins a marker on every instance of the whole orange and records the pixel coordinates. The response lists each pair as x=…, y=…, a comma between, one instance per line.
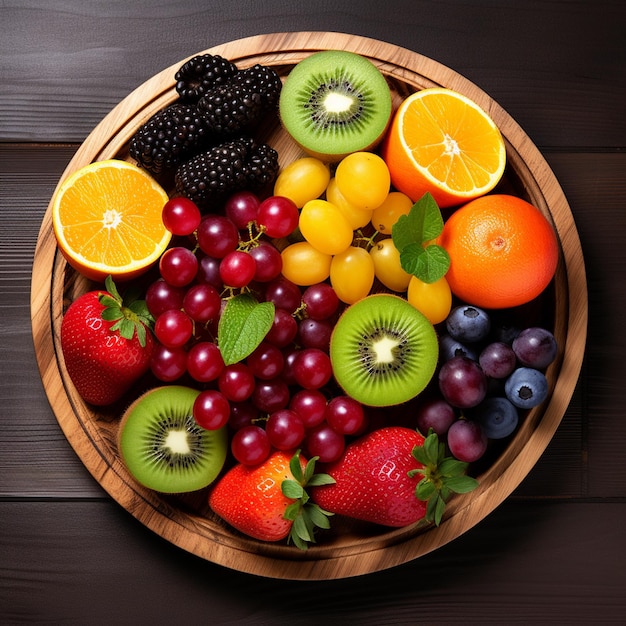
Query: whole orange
x=503, y=251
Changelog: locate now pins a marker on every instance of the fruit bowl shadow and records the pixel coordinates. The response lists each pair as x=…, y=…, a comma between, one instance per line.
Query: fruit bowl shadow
x=351, y=548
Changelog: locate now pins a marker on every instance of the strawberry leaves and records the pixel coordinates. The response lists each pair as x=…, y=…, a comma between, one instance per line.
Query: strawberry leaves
x=412, y=234
x=441, y=477
x=129, y=314
x=305, y=515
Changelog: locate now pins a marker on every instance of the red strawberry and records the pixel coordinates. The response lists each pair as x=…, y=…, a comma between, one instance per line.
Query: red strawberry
x=105, y=344
x=268, y=501
x=393, y=477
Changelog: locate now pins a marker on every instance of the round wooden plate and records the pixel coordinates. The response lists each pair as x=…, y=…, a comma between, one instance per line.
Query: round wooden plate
x=352, y=549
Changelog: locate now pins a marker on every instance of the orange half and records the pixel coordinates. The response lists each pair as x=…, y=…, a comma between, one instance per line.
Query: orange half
x=107, y=220
x=442, y=142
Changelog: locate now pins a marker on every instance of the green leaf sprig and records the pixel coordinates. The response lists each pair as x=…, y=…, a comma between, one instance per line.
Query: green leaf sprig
x=441, y=477
x=305, y=515
x=130, y=314
x=411, y=234
x=242, y=326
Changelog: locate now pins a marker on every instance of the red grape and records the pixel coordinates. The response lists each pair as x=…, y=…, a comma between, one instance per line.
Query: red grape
x=211, y=410
x=312, y=368
x=462, y=382
x=242, y=208
x=173, y=328
x=437, y=414
x=266, y=361
x=269, y=262
x=325, y=443
x=168, y=364
x=345, y=415
x=181, y=216
x=242, y=414
x=209, y=272
x=466, y=440
x=178, y=266
x=250, y=445
x=204, y=361
x=497, y=359
x=271, y=395
x=283, y=293
x=236, y=382
x=161, y=297
x=202, y=302
x=237, y=269
x=278, y=216
x=285, y=429
x=217, y=236
x=284, y=328
x=310, y=405
x=321, y=301
x=535, y=347
x=315, y=333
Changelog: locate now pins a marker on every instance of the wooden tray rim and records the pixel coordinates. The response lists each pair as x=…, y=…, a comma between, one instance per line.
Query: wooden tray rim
x=395, y=547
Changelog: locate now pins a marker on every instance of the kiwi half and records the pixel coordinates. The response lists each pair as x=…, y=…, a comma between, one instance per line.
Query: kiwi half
x=383, y=350
x=335, y=102
x=163, y=447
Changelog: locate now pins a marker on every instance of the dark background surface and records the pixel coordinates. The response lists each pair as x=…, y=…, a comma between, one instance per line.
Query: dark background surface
x=554, y=552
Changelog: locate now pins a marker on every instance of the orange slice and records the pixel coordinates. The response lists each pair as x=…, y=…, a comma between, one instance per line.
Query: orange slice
x=107, y=220
x=442, y=142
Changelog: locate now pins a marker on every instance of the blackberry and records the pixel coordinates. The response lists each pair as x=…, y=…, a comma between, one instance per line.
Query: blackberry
x=169, y=137
x=262, y=166
x=240, y=103
x=200, y=74
x=208, y=178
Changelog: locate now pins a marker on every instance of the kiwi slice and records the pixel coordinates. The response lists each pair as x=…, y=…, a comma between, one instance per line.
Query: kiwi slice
x=383, y=350
x=335, y=102
x=163, y=447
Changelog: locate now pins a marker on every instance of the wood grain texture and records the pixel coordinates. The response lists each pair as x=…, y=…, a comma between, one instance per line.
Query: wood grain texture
x=506, y=49
x=511, y=569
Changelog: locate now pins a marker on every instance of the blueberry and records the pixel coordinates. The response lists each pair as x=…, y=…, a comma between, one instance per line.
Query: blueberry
x=449, y=347
x=497, y=416
x=468, y=323
x=526, y=387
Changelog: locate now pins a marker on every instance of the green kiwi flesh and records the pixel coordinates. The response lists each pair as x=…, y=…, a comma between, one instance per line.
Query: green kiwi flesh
x=163, y=447
x=335, y=102
x=383, y=350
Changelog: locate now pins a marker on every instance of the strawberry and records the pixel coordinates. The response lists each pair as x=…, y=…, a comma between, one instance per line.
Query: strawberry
x=105, y=344
x=393, y=477
x=269, y=501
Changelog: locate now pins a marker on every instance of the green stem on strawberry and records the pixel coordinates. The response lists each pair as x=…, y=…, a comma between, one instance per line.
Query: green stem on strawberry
x=305, y=515
x=441, y=477
x=130, y=315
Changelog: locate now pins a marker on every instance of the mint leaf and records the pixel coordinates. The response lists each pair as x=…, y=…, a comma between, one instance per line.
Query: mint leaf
x=411, y=232
x=242, y=326
x=432, y=220
x=428, y=264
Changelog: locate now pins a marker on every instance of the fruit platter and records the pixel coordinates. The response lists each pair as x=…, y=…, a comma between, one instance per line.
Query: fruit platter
x=341, y=320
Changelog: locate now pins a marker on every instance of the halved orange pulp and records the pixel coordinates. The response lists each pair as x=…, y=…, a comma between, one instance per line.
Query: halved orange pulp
x=107, y=220
x=442, y=142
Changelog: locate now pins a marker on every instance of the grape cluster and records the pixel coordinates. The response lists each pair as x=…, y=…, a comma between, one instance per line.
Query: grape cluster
x=485, y=380
x=278, y=397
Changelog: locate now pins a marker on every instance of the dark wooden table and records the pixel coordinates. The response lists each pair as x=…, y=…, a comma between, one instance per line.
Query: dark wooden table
x=554, y=552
